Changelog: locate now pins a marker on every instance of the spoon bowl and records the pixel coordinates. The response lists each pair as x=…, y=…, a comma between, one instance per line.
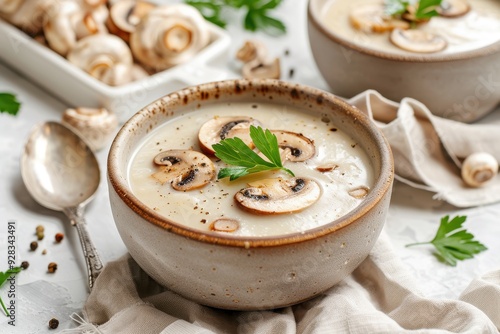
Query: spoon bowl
x=61, y=173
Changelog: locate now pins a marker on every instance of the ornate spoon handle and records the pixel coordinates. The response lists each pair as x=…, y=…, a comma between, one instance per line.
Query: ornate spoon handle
x=92, y=259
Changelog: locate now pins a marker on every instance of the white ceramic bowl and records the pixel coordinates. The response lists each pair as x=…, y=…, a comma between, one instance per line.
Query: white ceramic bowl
x=462, y=86
x=78, y=89
x=245, y=273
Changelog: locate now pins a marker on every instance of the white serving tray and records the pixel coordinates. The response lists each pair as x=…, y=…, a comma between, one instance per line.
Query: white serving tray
x=78, y=89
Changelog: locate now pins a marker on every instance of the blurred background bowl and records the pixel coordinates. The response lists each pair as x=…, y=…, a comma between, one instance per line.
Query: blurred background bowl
x=462, y=86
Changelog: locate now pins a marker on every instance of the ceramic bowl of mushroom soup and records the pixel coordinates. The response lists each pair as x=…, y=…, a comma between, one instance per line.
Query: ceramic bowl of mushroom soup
x=450, y=61
x=262, y=240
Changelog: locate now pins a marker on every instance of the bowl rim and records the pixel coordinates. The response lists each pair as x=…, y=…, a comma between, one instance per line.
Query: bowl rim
x=382, y=186
x=313, y=18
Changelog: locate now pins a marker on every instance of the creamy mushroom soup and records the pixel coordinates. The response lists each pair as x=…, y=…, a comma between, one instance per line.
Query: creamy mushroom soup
x=335, y=178
x=478, y=28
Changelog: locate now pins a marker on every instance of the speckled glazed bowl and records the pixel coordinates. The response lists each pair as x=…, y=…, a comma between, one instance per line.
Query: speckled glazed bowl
x=248, y=273
x=461, y=86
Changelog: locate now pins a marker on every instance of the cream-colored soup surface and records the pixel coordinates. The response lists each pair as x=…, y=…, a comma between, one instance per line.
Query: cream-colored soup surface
x=478, y=28
x=198, y=208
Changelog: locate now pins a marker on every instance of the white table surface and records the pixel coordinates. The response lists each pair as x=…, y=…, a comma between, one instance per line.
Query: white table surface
x=413, y=215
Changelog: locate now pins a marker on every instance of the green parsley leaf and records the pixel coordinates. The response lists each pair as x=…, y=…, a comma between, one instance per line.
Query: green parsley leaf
x=233, y=151
x=9, y=104
x=453, y=242
x=425, y=9
x=210, y=10
x=4, y=276
x=256, y=17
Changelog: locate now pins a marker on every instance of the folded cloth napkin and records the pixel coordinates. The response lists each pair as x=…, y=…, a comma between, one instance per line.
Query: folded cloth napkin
x=380, y=296
x=428, y=149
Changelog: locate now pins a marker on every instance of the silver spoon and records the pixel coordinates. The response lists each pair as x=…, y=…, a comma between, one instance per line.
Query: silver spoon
x=61, y=173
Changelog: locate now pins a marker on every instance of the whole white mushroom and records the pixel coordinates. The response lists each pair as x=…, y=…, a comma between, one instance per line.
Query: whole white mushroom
x=479, y=168
x=169, y=35
x=105, y=57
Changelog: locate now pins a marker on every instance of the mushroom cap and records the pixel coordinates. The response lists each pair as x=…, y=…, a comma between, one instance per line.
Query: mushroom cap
x=479, y=168
x=91, y=5
x=105, y=57
x=8, y=7
x=95, y=125
x=278, y=196
x=372, y=18
x=296, y=147
x=67, y=22
x=453, y=8
x=125, y=15
x=31, y=14
x=220, y=128
x=58, y=27
x=169, y=35
x=184, y=169
x=418, y=41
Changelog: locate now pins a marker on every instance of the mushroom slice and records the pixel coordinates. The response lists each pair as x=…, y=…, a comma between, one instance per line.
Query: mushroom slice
x=125, y=15
x=220, y=128
x=224, y=225
x=359, y=192
x=169, y=35
x=262, y=70
x=105, y=57
x=184, y=169
x=418, y=41
x=453, y=8
x=327, y=167
x=252, y=50
x=277, y=195
x=296, y=147
x=371, y=18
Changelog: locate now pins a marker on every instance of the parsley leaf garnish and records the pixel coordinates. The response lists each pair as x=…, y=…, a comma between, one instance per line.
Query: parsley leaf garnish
x=453, y=242
x=9, y=104
x=3, y=278
x=256, y=17
x=425, y=9
x=233, y=151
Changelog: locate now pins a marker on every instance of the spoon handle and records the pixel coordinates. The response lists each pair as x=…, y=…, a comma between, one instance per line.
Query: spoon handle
x=92, y=259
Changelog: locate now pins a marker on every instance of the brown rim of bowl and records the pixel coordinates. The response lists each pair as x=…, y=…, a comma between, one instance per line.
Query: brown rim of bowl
x=380, y=188
x=416, y=58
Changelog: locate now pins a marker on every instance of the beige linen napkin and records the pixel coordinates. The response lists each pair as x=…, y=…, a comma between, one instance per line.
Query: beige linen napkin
x=379, y=297
x=427, y=149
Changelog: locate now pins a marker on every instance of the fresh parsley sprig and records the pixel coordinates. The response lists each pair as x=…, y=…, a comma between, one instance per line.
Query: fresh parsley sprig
x=256, y=18
x=9, y=104
x=4, y=276
x=233, y=151
x=453, y=242
x=425, y=9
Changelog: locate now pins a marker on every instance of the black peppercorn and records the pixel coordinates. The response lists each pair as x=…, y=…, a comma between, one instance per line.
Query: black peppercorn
x=25, y=265
x=53, y=323
x=34, y=245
